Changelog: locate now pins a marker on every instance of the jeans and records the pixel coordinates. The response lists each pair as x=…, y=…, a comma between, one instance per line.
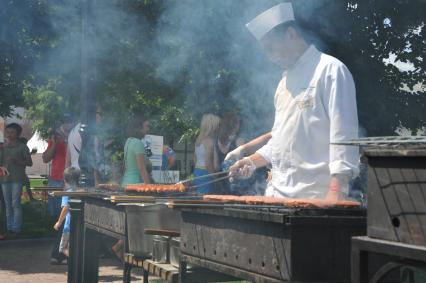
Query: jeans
x=12, y=198
x=202, y=187
x=56, y=244
x=2, y=213
x=54, y=203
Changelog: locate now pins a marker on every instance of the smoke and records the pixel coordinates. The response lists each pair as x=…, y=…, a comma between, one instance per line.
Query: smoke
x=201, y=46
x=224, y=67
x=107, y=27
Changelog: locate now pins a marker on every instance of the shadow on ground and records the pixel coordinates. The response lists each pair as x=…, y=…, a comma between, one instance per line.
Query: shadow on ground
x=29, y=261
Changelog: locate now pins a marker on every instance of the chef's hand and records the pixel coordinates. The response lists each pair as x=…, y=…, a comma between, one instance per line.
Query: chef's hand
x=236, y=154
x=335, y=188
x=243, y=168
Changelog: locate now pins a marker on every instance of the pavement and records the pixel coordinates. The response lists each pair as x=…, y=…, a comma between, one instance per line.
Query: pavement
x=23, y=261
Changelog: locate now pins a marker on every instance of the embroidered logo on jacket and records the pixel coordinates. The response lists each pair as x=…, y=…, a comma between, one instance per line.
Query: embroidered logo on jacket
x=305, y=102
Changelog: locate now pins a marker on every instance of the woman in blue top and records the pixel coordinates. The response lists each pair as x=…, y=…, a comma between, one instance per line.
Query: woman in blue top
x=134, y=153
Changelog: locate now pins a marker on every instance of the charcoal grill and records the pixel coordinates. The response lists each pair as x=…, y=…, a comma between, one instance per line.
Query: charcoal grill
x=396, y=188
x=94, y=213
x=271, y=244
x=394, y=250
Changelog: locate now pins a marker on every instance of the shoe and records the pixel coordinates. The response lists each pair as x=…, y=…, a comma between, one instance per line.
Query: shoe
x=57, y=261
x=62, y=256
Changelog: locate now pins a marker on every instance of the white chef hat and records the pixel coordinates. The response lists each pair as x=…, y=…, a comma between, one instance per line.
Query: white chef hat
x=269, y=19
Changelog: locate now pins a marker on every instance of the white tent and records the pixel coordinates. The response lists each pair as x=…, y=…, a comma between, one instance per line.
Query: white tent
x=39, y=167
x=36, y=142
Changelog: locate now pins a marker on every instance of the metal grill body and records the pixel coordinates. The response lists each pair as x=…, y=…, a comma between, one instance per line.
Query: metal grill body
x=394, y=250
x=281, y=245
x=104, y=215
x=397, y=194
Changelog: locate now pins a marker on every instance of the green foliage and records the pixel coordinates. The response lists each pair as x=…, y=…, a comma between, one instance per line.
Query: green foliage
x=187, y=76
x=24, y=39
x=44, y=106
x=363, y=34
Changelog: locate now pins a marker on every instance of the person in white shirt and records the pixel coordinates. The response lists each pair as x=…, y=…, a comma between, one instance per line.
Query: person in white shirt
x=74, y=147
x=315, y=107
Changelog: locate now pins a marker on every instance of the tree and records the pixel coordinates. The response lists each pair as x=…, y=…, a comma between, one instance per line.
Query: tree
x=25, y=36
x=364, y=34
x=175, y=60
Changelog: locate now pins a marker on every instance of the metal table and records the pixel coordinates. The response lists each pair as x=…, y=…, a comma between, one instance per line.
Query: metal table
x=374, y=259
x=91, y=217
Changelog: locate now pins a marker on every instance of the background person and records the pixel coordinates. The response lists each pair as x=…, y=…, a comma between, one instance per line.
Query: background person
x=14, y=156
x=71, y=176
x=204, y=153
x=227, y=138
x=168, y=158
x=135, y=170
x=27, y=183
x=56, y=153
x=74, y=147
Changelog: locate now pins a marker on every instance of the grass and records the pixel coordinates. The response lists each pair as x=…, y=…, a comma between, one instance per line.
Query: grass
x=37, y=222
x=37, y=182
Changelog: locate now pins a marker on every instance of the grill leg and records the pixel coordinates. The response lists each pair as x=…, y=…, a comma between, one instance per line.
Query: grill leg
x=90, y=256
x=127, y=273
x=75, y=260
x=145, y=276
x=359, y=264
x=182, y=270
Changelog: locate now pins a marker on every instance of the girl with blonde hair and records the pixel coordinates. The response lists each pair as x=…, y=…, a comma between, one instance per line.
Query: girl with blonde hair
x=204, y=152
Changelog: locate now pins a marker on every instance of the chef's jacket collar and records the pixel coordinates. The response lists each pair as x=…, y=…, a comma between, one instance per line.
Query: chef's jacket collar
x=306, y=57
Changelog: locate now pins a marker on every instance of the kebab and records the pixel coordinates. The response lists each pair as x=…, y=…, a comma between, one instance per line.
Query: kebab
x=287, y=202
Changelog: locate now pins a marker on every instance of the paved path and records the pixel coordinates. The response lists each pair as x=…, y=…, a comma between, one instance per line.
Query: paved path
x=23, y=261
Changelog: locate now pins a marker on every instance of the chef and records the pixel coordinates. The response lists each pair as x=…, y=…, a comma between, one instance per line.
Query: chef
x=315, y=107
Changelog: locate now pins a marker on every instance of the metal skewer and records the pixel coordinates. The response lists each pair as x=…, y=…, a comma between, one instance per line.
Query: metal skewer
x=210, y=182
x=204, y=176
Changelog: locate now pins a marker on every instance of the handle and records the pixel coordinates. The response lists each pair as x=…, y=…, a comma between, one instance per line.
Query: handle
x=160, y=232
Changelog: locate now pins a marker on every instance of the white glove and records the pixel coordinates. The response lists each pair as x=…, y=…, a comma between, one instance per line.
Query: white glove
x=236, y=154
x=242, y=169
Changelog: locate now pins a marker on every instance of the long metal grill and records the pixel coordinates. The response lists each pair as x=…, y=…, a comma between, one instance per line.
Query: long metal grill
x=388, y=141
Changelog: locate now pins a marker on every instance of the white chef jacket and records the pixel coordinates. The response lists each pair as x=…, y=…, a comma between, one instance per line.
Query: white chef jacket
x=74, y=145
x=315, y=105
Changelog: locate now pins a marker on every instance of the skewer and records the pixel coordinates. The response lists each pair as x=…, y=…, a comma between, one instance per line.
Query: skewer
x=224, y=205
x=204, y=176
x=116, y=198
x=210, y=182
